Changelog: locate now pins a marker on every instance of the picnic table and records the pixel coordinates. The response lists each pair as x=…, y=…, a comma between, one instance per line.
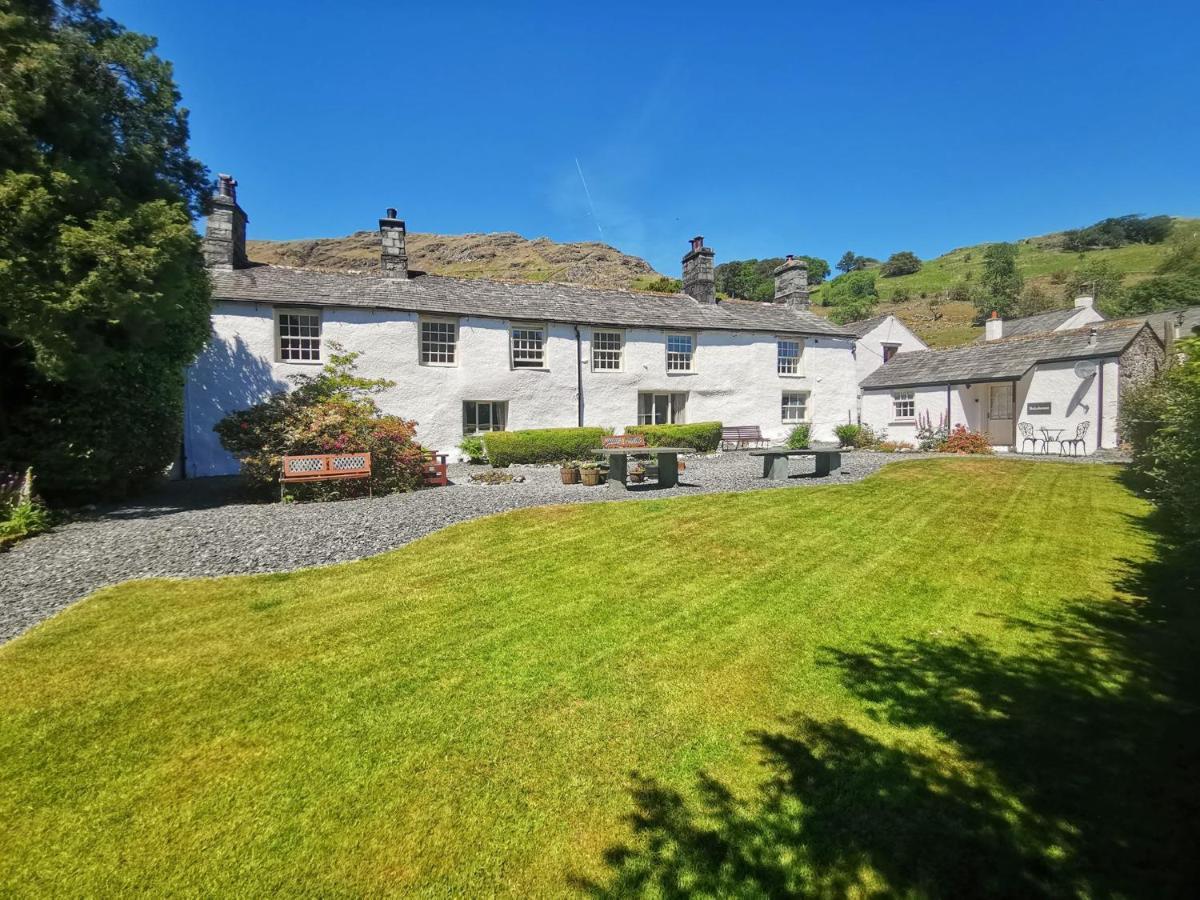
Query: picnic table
x=775, y=461
x=618, y=469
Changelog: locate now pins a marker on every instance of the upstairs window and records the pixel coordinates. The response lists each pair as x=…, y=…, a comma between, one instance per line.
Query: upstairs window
x=795, y=407
x=529, y=347
x=298, y=335
x=904, y=405
x=789, y=357
x=439, y=343
x=680, y=352
x=484, y=415
x=890, y=350
x=607, y=349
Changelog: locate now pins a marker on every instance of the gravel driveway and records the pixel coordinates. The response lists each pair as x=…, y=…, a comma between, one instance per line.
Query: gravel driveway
x=199, y=528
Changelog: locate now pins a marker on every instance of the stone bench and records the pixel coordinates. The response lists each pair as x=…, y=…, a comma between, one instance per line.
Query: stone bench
x=775, y=461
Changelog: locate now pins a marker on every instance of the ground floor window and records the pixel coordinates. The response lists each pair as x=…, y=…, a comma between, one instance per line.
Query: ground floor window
x=904, y=405
x=661, y=409
x=795, y=407
x=484, y=415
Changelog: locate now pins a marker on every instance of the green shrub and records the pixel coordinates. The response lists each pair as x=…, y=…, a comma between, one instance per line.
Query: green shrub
x=702, y=436
x=963, y=440
x=1161, y=420
x=331, y=412
x=798, y=439
x=472, y=445
x=847, y=435
x=541, y=445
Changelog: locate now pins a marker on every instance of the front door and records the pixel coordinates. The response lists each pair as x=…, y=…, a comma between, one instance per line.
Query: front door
x=1000, y=415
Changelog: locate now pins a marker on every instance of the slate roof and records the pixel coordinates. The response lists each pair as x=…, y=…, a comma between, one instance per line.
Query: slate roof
x=1038, y=324
x=1158, y=321
x=1001, y=360
x=544, y=302
x=865, y=326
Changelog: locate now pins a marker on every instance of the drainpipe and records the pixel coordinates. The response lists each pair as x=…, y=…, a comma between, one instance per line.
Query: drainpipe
x=579, y=373
x=948, y=405
x=1100, y=410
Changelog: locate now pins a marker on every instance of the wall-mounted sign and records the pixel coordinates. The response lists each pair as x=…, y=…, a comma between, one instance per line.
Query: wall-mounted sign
x=1037, y=409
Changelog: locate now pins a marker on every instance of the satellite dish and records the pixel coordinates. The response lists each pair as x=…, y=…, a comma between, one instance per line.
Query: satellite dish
x=1085, y=369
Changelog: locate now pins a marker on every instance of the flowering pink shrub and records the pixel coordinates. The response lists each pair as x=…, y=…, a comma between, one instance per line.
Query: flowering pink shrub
x=327, y=413
x=963, y=440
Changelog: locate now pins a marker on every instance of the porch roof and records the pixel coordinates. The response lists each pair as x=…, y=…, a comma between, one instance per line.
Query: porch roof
x=1002, y=360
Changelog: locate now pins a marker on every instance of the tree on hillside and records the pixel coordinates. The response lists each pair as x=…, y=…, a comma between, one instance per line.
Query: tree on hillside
x=105, y=295
x=1176, y=284
x=853, y=296
x=905, y=262
x=818, y=269
x=754, y=279
x=1118, y=232
x=1000, y=284
x=664, y=285
x=851, y=262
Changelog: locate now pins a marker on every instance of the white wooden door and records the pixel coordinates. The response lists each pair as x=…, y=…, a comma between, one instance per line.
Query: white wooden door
x=1000, y=415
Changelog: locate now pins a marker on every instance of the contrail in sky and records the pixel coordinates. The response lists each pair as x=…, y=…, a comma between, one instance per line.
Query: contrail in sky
x=588, y=194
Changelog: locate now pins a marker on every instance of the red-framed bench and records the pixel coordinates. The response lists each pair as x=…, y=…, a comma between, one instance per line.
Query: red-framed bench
x=325, y=467
x=436, y=469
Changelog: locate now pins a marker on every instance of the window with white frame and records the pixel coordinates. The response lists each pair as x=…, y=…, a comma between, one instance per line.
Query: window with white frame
x=790, y=357
x=529, y=347
x=680, y=352
x=795, y=406
x=439, y=342
x=661, y=408
x=298, y=335
x=607, y=349
x=904, y=405
x=484, y=415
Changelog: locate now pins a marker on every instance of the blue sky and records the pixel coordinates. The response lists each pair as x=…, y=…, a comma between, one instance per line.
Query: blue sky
x=805, y=128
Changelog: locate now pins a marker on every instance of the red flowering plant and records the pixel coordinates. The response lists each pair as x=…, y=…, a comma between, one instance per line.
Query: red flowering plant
x=331, y=412
x=963, y=440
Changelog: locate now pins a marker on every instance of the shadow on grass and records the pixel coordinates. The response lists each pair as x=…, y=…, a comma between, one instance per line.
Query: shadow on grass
x=1068, y=766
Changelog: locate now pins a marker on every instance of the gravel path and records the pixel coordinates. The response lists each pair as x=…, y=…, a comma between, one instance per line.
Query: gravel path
x=198, y=528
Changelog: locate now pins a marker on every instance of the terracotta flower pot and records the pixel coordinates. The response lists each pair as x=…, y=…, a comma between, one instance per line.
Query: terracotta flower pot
x=637, y=477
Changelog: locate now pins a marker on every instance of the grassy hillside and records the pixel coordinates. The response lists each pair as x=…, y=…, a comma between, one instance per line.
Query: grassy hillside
x=503, y=256
x=1041, y=261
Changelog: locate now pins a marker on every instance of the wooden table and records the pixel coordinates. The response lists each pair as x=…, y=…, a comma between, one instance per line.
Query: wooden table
x=775, y=461
x=618, y=469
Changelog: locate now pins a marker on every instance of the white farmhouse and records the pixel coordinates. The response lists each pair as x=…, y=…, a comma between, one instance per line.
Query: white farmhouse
x=468, y=356
x=1061, y=384
x=878, y=339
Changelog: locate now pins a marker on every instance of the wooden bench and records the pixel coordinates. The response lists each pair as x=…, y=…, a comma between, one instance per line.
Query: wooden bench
x=436, y=469
x=775, y=461
x=325, y=467
x=741, y=436
x=622, y=441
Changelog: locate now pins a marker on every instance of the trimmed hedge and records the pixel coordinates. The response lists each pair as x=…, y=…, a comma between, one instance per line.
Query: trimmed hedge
x=541, y=445
x=702, y=436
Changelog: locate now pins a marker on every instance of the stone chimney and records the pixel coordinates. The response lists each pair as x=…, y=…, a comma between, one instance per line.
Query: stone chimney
x=393, y=250
x=1081, y=302
x=225, y=232
x=791, y=283
x=699, y=282
x=993, y=328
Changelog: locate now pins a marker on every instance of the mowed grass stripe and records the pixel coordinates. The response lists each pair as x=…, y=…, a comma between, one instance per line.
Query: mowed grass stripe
x=462, y=715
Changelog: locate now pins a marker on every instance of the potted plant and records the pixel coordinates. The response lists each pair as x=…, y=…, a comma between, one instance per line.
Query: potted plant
x=569, y=471
x=637, y=473
x=589, y=473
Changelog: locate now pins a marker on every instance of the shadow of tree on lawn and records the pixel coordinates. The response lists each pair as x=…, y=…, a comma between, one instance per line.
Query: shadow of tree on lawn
x=1066, y=767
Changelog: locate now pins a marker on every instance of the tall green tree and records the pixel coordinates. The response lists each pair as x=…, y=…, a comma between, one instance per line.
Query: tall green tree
x=1000, y=284
x=853, y=296
x=1098, y=279
x=105, y=296
x=851, y=262
x=903, y=262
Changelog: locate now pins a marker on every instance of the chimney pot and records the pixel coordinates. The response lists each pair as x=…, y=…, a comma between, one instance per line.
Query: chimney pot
x=699, y=280
x=993, y=328
x=393, y=246
x=791, y=283
x=225, y=231
x=1092, y=336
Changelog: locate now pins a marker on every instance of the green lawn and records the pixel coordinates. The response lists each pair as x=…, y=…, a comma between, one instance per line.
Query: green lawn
x=956, y=677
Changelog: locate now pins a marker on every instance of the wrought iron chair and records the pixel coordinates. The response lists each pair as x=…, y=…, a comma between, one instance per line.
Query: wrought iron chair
x=1027, y=435
x=1077, y=443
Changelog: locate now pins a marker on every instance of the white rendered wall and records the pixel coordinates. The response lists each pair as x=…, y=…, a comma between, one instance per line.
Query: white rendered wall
x=868, y=354
x=1072, y=400
x=734, y=382
x=877, y=410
